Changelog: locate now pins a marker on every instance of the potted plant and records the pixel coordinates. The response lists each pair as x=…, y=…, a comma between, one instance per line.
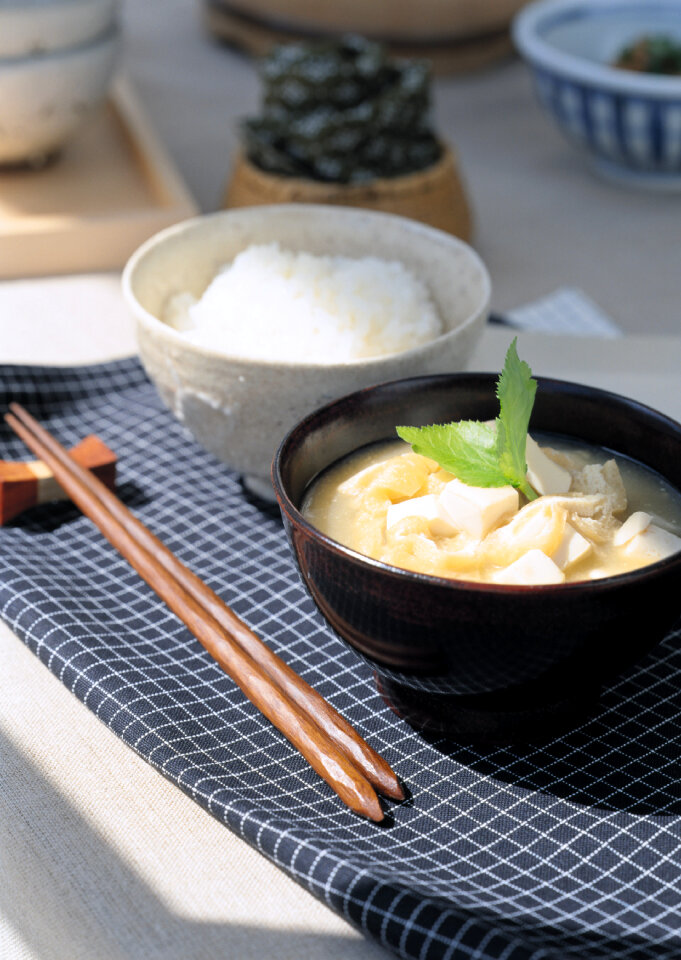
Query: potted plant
x=344, y=123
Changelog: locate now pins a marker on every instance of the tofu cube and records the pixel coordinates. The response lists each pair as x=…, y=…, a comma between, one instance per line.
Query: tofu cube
x=572, y=548
x=653, y=544
x=428, y=508
x=476, y=510
x=633, y=525
x=543, y=475
x=534, y=567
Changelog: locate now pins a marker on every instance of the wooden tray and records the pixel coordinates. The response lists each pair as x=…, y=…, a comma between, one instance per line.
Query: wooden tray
x=406, y=21
x=110, y=189
x=458, y=52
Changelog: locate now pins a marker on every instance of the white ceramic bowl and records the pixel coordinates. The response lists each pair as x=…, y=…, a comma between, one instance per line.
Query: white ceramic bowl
x=28, y=27
x=241, y=409
x=45, y=98
x=628, y=122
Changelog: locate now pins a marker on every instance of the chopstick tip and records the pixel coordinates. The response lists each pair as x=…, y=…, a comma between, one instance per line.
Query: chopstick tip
x=394, y=791
x=374, y=811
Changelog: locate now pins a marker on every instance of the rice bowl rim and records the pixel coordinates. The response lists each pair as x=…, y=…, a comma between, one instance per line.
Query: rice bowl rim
x=158, y=327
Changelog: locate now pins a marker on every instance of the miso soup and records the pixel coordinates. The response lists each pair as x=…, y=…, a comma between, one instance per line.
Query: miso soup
x=610, y=515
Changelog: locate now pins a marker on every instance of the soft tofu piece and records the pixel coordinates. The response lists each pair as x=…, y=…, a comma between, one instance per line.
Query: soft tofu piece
x=633, y=525
x=572, y=548
x=428, y=508
x=543, y=475
x=653, y=544
x=604, y=480
x=476, y=510
x=533, y=567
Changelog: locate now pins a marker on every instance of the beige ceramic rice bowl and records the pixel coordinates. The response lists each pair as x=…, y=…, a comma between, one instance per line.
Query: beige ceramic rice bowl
x=240, y=408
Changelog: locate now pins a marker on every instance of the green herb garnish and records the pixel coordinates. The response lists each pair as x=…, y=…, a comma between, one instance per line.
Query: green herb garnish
x=475, y=452
x=652, y=54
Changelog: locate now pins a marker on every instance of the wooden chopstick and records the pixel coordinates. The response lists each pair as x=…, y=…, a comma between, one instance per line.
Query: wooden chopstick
x=364, y=757
x=224, y=635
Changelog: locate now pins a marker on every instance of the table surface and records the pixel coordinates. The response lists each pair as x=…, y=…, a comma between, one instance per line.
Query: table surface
x=543, y=220
x=100, y=857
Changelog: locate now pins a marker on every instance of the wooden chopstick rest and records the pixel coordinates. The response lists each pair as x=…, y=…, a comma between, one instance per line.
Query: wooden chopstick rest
x=27, y=484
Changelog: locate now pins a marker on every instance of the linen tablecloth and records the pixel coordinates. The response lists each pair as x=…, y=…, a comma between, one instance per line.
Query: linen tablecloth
x=571, y=848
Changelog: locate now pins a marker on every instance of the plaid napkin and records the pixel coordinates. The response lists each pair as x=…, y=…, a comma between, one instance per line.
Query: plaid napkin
x=567, y=311
x=565, y=849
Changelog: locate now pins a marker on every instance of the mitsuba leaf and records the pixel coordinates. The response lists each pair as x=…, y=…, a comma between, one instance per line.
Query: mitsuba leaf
x=516, y=391
x=467, y=449
x=477, y=453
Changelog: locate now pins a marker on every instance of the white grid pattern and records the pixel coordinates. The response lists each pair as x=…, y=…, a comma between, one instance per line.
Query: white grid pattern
x=570, y=848
x=567, y=311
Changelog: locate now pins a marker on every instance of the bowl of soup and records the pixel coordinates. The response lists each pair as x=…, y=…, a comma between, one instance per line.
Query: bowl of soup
x=456, y=648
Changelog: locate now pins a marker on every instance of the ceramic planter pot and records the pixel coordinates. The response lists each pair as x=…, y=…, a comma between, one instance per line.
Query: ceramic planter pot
x=435, y=196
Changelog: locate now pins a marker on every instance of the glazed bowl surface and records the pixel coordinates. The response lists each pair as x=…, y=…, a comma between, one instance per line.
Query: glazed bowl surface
x=484, y=661
x=29, y=27
x=240, y=409
x=44, y=98
x=628, y=122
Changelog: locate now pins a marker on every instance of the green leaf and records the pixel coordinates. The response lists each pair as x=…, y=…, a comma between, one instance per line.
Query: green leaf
x=516, y=392
x=466, y=448
x=477, y=453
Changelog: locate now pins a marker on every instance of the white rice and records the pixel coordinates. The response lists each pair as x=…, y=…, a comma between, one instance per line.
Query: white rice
x=273, y=304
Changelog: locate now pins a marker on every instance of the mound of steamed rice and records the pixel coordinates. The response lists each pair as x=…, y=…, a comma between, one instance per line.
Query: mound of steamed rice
x=273, y=304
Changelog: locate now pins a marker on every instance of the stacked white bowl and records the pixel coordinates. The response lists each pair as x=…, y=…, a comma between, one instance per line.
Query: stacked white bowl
x=57, y=58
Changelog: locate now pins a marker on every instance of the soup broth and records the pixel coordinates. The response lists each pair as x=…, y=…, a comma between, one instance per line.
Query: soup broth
x=386, y=502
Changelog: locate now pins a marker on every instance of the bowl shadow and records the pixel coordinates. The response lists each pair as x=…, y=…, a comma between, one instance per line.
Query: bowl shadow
x=625, y=757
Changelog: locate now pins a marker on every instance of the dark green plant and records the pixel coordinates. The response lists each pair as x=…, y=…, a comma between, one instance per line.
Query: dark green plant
x=342, y=111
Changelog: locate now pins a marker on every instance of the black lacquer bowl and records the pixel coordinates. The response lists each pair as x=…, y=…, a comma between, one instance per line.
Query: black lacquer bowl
x=481, y=661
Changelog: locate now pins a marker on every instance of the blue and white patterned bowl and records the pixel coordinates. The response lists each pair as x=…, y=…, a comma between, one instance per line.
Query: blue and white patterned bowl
x=629, y=122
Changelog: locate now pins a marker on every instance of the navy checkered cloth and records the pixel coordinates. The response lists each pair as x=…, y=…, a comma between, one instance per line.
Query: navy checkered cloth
x=566, y=849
